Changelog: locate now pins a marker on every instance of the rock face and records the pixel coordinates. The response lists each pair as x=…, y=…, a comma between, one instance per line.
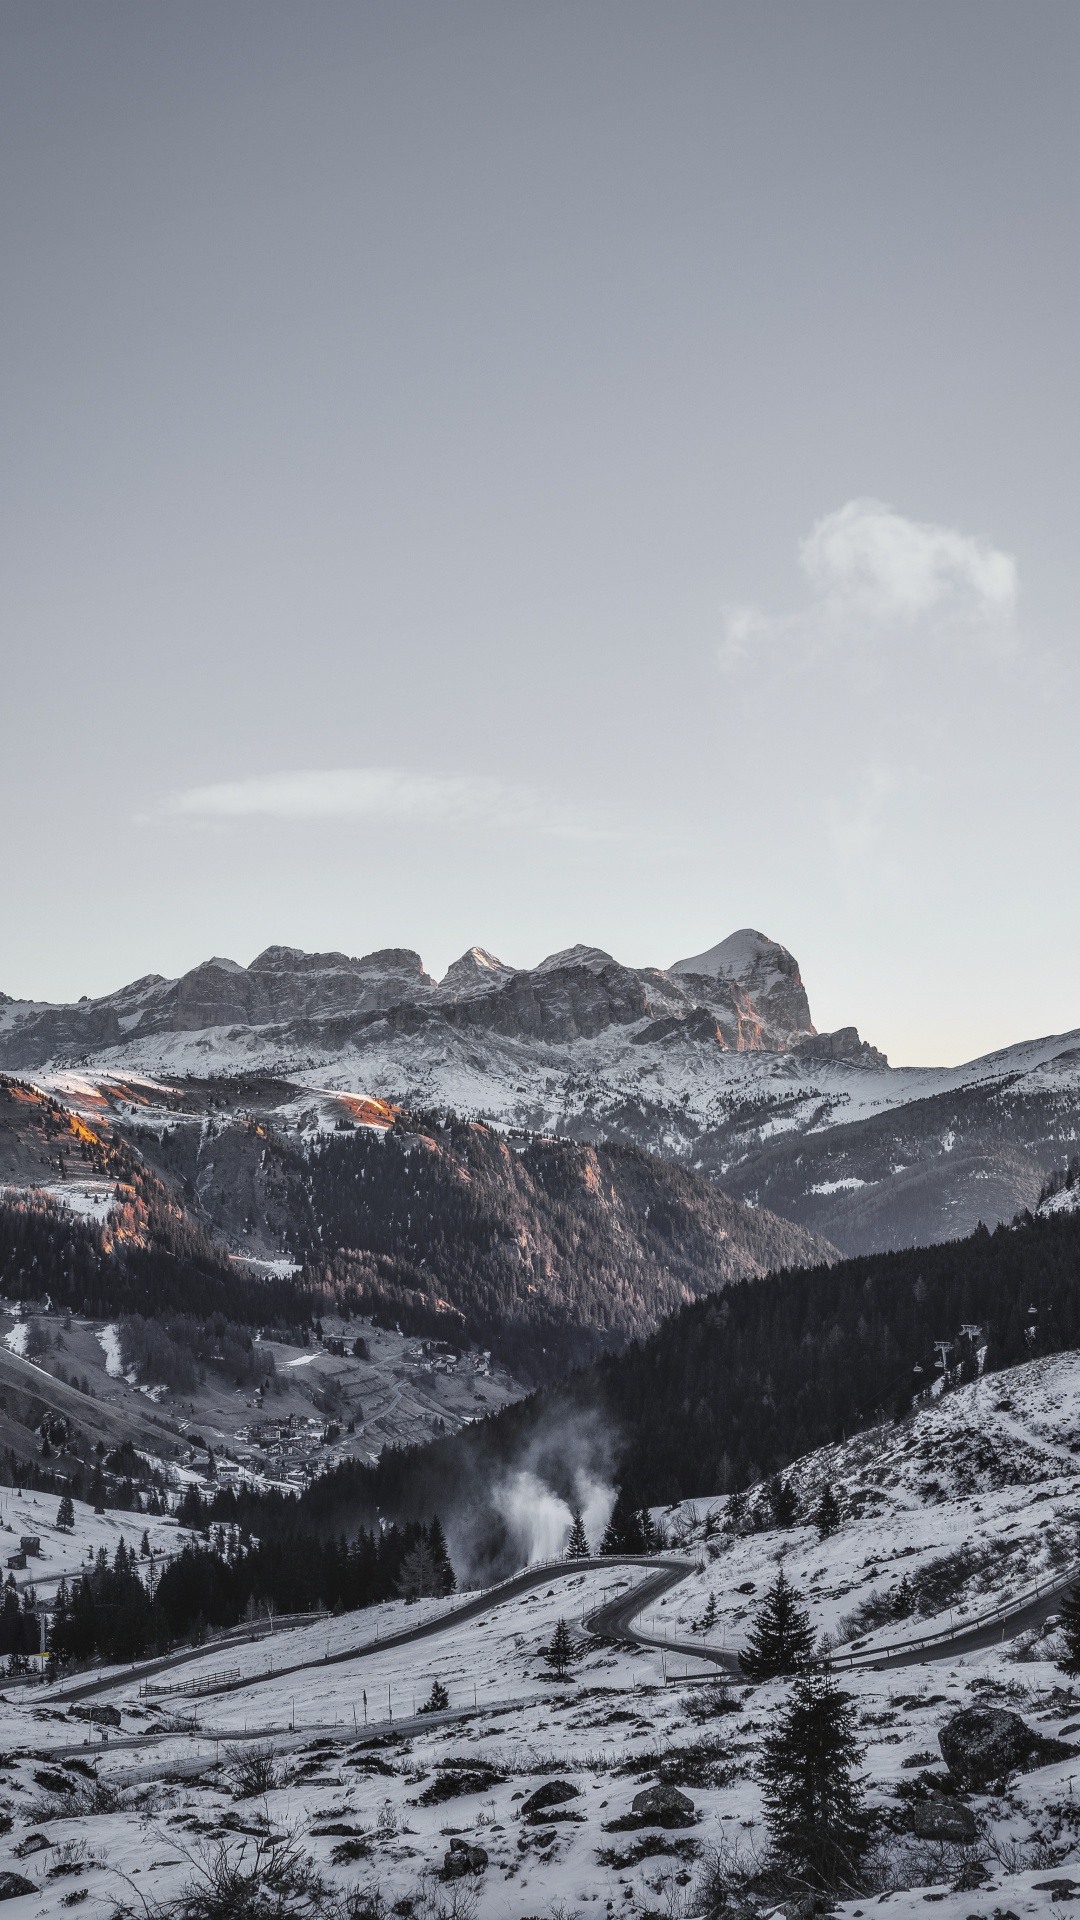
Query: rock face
x=764, y=982
x=663, y=1807
x=844, y=1044
x=100, y=1716
x=14, y=1884
x=554, y=1793
x=984, y=1744
x=745, y=994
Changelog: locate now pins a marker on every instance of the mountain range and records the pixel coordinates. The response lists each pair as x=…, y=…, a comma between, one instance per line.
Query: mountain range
x=713, y=1061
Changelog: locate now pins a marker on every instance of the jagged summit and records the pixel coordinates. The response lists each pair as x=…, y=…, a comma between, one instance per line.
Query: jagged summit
x=740, y=954
x=477, y=971
x=743, y=995
x=764, y=976
x=594, y=958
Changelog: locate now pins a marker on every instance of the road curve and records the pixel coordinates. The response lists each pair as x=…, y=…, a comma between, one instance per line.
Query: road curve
x=669, y=1572
x=614, y=1620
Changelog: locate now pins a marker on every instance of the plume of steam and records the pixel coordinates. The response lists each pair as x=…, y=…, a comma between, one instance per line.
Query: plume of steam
x=512, y=1511
x=538, y=1520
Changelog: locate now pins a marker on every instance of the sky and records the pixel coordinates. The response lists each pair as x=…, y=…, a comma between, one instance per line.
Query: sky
x=518, y=475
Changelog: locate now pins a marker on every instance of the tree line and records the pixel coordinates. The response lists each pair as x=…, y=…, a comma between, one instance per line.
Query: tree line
x=120, y=1609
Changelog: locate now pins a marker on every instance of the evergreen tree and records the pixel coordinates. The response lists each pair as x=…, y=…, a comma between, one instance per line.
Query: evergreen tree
x=827, y=1517
x=785, y=1507
x=144, y=1548
x=623, y=1533
x=1069, y=1618
x=781, y=1639
x=903, y=1600
x=445, y=1578
x=813, y=1801
x=577, y=1547
x=66, y=1516
x=425, y=1568
x=736, y=1510
x=438, y=1699
x=559, y=1654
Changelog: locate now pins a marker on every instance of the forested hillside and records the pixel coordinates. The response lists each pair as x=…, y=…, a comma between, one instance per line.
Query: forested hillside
x=545, y=1251
x=732, y=1388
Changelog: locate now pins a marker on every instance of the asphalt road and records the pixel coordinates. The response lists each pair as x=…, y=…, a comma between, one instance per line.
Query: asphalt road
x=486, y=1602
x=614, y=1620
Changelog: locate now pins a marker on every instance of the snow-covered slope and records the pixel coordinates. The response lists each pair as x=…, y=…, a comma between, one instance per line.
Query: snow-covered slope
x=948, y=1514
x=371, y=1795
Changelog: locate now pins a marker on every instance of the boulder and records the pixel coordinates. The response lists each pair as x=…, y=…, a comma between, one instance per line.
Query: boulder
x=663, y=1807
x=942, y=1819
x=462, y=1858
x=98, y=1716
x=551, y=1794
x=1058, y=1889
x=984, y=1744
x=13, y=1884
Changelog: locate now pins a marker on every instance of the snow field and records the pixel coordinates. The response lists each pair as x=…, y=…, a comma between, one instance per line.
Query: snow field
x=64, y=1555
x=984, y=1465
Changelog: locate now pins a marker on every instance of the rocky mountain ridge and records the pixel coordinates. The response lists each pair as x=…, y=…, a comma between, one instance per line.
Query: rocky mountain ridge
x=713, y=1061
x=745, y=995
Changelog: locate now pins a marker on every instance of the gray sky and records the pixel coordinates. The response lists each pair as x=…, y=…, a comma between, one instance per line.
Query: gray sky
x=527, y=474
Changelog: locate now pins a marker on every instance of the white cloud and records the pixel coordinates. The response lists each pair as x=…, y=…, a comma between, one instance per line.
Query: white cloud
x=380, y=793
x=868, y=560
x=872, y=570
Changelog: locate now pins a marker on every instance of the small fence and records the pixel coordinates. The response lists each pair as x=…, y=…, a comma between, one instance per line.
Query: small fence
x=199, y=1683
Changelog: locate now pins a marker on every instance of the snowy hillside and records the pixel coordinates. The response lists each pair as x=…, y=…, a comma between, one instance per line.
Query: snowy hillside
x=969, y=1503
x=252, y=1757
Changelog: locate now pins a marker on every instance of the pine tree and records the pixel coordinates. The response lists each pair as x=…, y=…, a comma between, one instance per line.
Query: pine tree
x=445, y=1580
x=781, y=1639
x=623, y=1533
x=903, y=1600
x=438, y=1699
x=1069, y=1620
x=66, y=1516
x=559, y=1654
x=736, y=1510
x=785, y=1508
x=813, y=1801
x=827, y=1517
x=577, y=1547
x=144, y=1546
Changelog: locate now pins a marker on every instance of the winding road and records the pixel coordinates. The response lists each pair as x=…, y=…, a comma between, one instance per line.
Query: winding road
x=614, y=1620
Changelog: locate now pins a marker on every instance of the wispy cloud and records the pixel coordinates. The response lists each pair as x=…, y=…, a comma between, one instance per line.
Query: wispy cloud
x=872, y=572
x=392, y=794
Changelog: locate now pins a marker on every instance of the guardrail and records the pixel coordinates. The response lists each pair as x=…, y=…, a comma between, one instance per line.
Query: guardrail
x=858, y=1654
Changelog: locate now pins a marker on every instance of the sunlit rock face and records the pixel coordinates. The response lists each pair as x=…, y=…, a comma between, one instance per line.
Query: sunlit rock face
x=759, y=980
x=744, y=994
